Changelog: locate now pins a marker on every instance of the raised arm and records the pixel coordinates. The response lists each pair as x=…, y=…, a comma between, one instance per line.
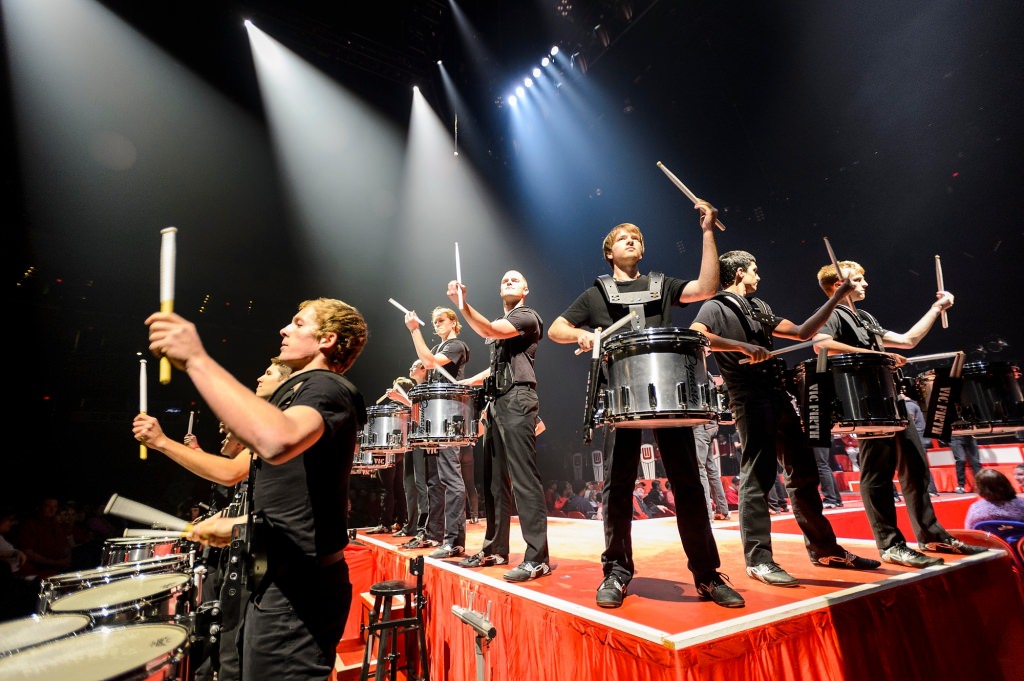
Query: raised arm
x=910, y=339
x=223, y=470
x=706, y=284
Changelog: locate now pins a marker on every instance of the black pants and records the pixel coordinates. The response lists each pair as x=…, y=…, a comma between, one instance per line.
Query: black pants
x=902, y=455
x=679, y=456
x=513, y=418
x=771, y=434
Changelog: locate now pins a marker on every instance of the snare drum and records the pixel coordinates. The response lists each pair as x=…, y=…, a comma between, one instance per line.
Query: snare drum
x=386, y=429
x=130, y=549
x=139, y=652
x=444, y=415
x=864, y=398
x=991, y=402
x=159, y=597
x=54, y=587
x=27, y=632
x=657, y=378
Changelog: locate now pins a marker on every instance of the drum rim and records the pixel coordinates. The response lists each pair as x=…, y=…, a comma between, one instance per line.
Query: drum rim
x=443, y=388
x=393, y=407
x=157, y=596
x=106, y=570
x=680, y=333
x=846, y=358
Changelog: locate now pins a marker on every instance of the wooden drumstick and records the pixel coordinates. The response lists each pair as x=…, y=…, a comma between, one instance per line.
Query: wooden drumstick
x=942, y=287
x=839, y=272
x=143, y=403
x=684, y=189
x=598, y=333
x=790, y=348
x=168, y=254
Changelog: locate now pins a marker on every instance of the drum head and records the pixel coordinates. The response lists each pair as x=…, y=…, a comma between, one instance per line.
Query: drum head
x=668, y=339
x=121, y=594
x=139, y=651
x=19, y=634
x=391, y=409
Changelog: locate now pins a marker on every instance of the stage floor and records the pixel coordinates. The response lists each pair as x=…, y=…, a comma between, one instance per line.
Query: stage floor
x=663, y=630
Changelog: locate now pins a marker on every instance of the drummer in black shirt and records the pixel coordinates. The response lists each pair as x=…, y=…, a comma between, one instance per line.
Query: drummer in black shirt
x=856, y=331
x=739, y=327
x=651, y=297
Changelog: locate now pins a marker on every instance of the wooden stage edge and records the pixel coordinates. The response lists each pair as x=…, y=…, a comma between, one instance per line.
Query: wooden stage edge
x=838, y=625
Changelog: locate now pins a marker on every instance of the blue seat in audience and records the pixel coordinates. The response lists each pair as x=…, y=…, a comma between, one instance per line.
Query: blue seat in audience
x=1010, y=530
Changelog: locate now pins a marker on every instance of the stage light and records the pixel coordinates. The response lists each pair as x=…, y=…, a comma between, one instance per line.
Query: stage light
x=439, y=62
x=512, y=100
x=528, y=82
x=554, y=50
x=520, y=92
x=545, y=62
x=536, y=72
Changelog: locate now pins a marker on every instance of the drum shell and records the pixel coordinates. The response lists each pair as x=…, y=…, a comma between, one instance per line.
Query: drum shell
x=139, y=652
x=52, y=588
x=151, y=597
x=864, y=394
x=386, y=429
x=132, y=549
x=991, y=401
x=657, y=378
x=27, y=632
x=444, y=415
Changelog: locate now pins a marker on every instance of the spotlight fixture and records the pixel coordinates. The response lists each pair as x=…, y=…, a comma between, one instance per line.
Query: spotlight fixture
x=545, y=62
x=528, y=82
x=520, y=92
x=554, y=50
x=536, y=72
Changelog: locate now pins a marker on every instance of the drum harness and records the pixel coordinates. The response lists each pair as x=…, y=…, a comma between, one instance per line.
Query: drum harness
x=757, y=310
x=635, y=302
x=435, y=376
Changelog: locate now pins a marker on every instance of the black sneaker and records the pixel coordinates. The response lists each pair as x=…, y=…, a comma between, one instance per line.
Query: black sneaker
x=901, y=554
x=482, y=560
x=401, y=532
x=847, y=562
x=717, y=589
x=611, y=592
x=420, y=543
x=526, y=571
x=771, y=574
x=380, y=529
x=952, y=545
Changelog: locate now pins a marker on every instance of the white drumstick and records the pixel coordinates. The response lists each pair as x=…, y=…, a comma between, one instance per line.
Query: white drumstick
x=790, y=348
x=168, y=254
x=143, y=403
x=598, y=333
x=942, y=287
x=458, y=273
x=146, y=515
x=684, y=189
x=191, y=419
x=929, y=358
x=444, y=372
x=143, y=532
x=839, y=272
x=399, y=306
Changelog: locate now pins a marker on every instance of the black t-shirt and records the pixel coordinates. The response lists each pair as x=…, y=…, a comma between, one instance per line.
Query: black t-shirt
x=518, y=352
x=457, y=353
x=722, y=318
x=305, y=500
x=591, y=309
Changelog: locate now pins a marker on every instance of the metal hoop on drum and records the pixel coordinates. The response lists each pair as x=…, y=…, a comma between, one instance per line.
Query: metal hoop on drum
x=52, y=588
x=150, y=652
x=864, y=398
x=386, y=429
x=991, y=400
x=130, y=549
x=159, y=597
x=444, y=415
x=657, y=378
x=27, y=632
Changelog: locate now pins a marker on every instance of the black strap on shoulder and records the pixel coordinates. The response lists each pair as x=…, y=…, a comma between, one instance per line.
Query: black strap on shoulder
x=746, y=313
x=866, y=321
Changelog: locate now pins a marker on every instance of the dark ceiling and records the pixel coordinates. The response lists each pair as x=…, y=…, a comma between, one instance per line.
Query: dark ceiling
x=893, y=128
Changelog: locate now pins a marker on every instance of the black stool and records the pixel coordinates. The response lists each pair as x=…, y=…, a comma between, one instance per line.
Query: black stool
x=383, y=631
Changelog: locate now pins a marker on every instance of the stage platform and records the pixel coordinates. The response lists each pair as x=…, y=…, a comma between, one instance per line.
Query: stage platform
x=955, y=621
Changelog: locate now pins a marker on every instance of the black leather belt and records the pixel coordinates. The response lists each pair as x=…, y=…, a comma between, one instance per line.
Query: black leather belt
x=531, y=386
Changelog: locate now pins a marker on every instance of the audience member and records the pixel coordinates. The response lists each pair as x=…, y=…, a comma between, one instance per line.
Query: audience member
x=45, y=540
x=18, y=589
x=732, y=493
x=1018, y=475
x=965, y=451
x=997, y=499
